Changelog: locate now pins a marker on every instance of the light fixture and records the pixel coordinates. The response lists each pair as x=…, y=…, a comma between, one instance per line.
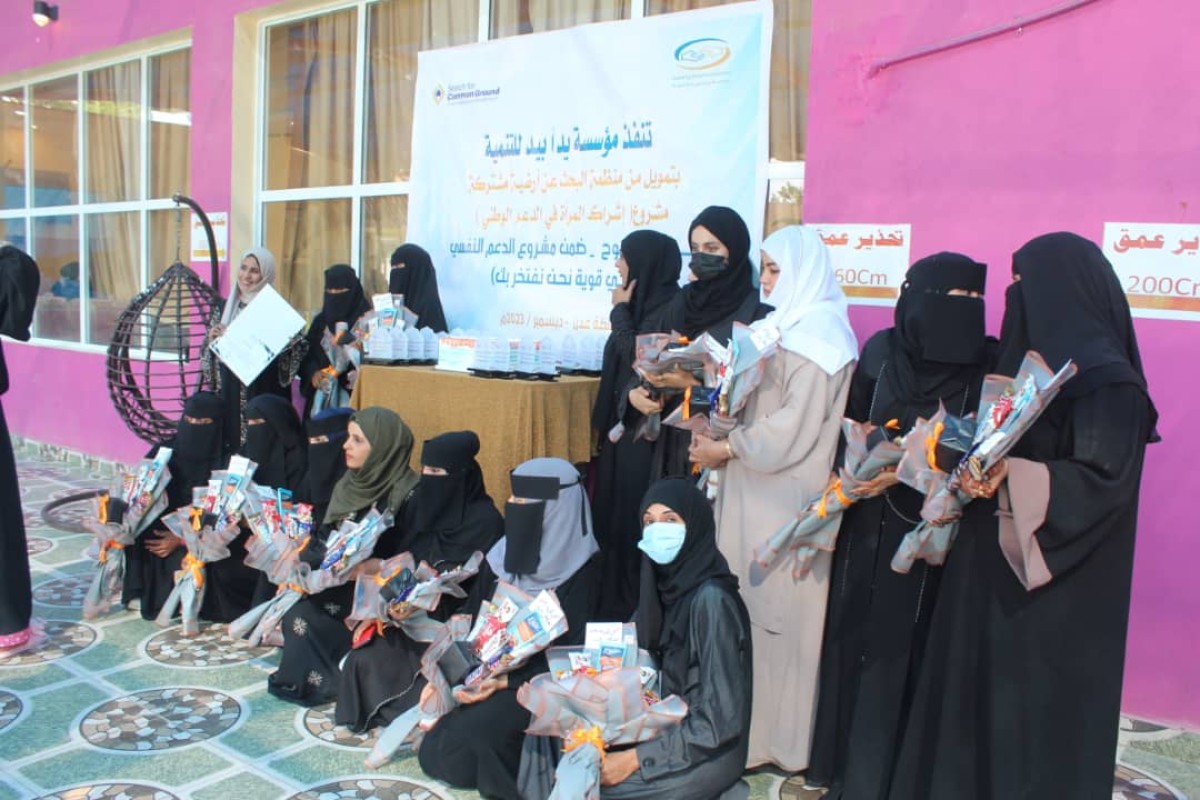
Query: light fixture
x=44, y=13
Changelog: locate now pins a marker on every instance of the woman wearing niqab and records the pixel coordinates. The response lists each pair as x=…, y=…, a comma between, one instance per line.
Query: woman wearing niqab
x=1020, y=688
x=343, y=302
x=414, y=277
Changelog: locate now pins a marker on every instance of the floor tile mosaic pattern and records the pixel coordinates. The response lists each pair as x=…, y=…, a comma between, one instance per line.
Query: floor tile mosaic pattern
x=117, y=708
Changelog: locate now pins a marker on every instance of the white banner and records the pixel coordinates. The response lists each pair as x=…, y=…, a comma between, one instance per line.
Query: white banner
x=1159, y=267
x=534, y=156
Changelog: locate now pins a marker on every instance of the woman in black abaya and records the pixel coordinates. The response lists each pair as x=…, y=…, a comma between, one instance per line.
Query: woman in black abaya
x=19, y=279
x=1020, y=689
x=344, y=302
x=547, y=544
x=378, y=448
x=721, y=293
x=649, y=265
x=413, y=276
x=452, y=518
x=877, y=618
x=326, y=462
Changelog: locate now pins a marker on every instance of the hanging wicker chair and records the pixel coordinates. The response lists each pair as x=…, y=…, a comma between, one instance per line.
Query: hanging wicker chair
x=154, y=357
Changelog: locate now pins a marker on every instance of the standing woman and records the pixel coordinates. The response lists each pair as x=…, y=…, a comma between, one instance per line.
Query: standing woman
x=649, y=265
x=19, y=279
x=344, y=302
x=378, y=448
x=256, y=270
x=721, y=292
x=1020, y=690
x=413, y=276
x=774, y=462
x=878, y=619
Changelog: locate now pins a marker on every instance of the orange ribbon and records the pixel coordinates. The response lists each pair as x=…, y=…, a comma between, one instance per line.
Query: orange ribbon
x=195, y=514
x=103, y=511
x=111, y=544
x=931, y=443
x=836, y=488
x=687, y=403
x=380, y=580
x=892, y=425
x=295, y=587
x=582, y=736
x=196, y=567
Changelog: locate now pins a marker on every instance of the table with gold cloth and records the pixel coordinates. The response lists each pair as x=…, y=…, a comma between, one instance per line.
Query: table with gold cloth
x=515, y=420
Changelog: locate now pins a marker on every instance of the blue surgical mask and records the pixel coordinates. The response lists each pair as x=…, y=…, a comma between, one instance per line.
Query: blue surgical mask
x=662, y=541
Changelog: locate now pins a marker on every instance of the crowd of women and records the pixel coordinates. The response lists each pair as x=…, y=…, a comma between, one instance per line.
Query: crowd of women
x=995, y=675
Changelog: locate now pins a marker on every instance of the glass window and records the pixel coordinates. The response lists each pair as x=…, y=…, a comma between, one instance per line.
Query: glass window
x=13, y=232
x=12, y=148
x=56, y=249
x=165, y=241
x=513, y=17
x=114, y=132
x=170, y=124
x=55, y=108
x=384, y=221
x=396, y=31
x=113, y=270
x=310, y=101
x=306, y=237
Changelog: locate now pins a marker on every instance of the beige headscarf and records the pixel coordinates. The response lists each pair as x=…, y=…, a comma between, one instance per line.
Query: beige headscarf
x=266, y=263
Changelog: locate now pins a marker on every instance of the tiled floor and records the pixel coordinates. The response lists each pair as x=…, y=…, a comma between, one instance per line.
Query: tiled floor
x=119, y=708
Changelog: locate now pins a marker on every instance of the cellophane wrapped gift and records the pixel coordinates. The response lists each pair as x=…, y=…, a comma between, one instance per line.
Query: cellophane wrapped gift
x=345, y=549
x=121, y=515
x=403, y=593
x=1008, y=407
x=658, y=354
x=593, y=702
x=508, y=630
x=869, y=451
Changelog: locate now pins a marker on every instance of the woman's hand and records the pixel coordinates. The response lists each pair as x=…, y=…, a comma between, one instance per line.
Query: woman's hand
x=646, y=405
x=163, y=544
x=618, y=766
x=990, y=483
x=708, y=453
x=481, y=692
x=675, y=379
x=622, y=294
x=214, y=333
x=877, y=485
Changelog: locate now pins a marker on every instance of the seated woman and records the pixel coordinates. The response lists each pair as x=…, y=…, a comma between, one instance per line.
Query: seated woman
x=547, y=544
x=196, y=450
x=413, y=276
x=452, y=518
x=326, y=460
x=275, y=442
x=344, y=302
x=695, y=623
x=378, y=447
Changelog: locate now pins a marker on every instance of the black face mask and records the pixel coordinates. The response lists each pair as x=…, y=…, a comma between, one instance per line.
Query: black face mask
x=523, y=533
x=439, y=502
x=706, y=266
x=197, y=441
x=324, y=461
x=951, y=328
x=338, y=306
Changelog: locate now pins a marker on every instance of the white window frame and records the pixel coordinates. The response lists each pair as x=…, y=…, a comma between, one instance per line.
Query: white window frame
x=82, y=211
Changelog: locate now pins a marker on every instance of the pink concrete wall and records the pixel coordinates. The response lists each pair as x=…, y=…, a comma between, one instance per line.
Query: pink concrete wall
x=72, y=385
x=1086, y=118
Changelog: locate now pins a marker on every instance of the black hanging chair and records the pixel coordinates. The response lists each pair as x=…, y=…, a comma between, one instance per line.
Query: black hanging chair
x=154, y=359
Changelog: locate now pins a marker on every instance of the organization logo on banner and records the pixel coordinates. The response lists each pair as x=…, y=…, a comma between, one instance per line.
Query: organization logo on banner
x=464, y=93
x=702, y=54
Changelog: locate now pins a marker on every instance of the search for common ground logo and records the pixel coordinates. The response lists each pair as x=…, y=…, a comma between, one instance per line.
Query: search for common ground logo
x=699, y=54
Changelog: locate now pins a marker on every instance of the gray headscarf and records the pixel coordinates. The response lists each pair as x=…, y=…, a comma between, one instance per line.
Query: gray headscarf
x=266, y=263
x=567, y=540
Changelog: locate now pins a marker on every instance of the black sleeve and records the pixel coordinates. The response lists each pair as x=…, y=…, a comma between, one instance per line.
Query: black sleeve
x=315, y=359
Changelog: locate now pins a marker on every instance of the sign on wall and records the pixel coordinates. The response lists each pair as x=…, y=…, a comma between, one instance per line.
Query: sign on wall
x=534, y=156
x=868, y=260
x=1159, y=267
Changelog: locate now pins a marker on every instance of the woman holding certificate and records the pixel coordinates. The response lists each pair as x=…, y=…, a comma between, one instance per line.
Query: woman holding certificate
x=255, y=271
x=1020, y=688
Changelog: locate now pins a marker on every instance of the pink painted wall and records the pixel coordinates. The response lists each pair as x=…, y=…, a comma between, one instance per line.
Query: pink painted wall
x=72, y=385
x=1086, y=118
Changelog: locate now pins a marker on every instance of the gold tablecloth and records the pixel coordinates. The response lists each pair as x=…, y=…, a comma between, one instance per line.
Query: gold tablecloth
x=515, y=420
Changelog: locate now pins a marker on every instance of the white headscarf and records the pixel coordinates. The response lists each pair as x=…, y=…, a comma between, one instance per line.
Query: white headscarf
x=266, y=263
x=567, y=540
x=810, y=308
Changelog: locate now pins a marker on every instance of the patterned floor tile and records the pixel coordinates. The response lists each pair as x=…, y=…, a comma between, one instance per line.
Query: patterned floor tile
x=63, y=639
x=1131, y=784
x=36, y=545
x=111, y=791
x=63, y=592
x=10, y=709
x=318, y=723
x=160, y=719
x=380, y=788
x=211, y=648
